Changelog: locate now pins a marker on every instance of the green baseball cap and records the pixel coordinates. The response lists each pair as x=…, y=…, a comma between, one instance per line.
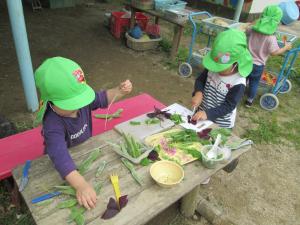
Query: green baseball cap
x=62, y=82
x=269, y=20
x=229, y=47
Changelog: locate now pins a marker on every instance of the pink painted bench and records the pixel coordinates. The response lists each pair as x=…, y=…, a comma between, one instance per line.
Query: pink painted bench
x=16, y=149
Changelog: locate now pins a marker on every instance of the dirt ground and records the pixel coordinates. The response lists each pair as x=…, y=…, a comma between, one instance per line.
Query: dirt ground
x=263, y=190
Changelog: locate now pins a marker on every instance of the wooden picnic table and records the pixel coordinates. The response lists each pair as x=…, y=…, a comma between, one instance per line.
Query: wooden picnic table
x=145, y=202
x=178, y=29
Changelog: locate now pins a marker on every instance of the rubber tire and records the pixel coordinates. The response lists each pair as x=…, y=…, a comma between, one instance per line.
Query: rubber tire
x=269, y=102
x=287, y=87
x=185, y=70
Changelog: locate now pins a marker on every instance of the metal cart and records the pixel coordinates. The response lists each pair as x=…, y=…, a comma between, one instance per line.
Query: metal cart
x=278, y=83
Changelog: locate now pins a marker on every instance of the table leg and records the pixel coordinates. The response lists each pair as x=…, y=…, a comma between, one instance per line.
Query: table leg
x=156, y=20
x=178, y=30
x=132, y=18
x=189, y=203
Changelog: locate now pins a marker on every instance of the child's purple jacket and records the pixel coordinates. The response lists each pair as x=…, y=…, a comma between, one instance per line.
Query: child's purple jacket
x=60, y=133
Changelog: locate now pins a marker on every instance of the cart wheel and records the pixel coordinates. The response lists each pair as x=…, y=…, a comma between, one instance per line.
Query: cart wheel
x=286, y=87
x=269, y=101
x=185, y=70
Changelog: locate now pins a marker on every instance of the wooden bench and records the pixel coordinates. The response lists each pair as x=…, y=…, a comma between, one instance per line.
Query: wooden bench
x=145, y=202
x=16, y=149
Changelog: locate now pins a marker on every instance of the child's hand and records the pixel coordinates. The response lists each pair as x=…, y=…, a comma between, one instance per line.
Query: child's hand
x=125, y=87
x=86, y=195
x=288, y=46
x=197, y=99
x=201, y=115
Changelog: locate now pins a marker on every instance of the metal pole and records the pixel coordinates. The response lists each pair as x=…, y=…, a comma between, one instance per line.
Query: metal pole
x=16, y=15
x=238, y=10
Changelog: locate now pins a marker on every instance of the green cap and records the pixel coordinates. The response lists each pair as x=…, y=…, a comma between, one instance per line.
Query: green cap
x=269, y=20
x=229, y=47
x=62, y=82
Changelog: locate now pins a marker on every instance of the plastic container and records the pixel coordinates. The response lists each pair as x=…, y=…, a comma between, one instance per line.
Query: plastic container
x=141, y=44
x=166, y=173
x=290, y=12
x=214, y=25
x=197, y=56
x=211, y=163
x=282, y=37
x=162, y=5
x=180, y=16
x=119, y=24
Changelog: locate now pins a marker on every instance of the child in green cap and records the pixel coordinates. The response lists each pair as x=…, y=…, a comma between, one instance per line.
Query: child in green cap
x=221, y=86
x=67, y=102
x=263, y=43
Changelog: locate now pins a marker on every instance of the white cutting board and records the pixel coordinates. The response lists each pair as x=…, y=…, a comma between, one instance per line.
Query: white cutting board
x=184, y=112
x=139, y=132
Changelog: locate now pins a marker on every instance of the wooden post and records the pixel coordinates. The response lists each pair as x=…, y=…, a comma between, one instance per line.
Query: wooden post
x=132, y=18
x=189, y=203
x=211, y=213
x=156, y=20
x=178, y=30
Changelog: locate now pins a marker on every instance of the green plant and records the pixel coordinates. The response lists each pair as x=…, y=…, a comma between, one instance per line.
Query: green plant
x=292, y=129
x=268, y=131
x=165, y=45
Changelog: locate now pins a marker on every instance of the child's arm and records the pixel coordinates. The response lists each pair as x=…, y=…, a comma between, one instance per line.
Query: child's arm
x=57, y=150
x=85, y=193
x=287, y=46
x=233, y=97
x=199, y=88
x=104, y=98
x=116, y=93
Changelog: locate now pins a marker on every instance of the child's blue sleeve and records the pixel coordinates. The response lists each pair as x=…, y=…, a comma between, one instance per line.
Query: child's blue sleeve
x=56, y=146
x=100, y=100
x=200, y=82
x=232, y=99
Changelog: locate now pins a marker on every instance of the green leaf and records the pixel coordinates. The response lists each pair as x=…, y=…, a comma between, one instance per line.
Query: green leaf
x=101, y=168
x=130, y=167
x=135, y=123
x=176, y=118
x=67, y=190
x=86, y=164
x=152, y=121
x=145, y=162
x=80, y=220
x=98, y=187
x=67, y=203
x=225, y=133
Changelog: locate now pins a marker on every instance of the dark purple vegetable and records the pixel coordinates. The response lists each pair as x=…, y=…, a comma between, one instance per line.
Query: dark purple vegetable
x=153, y=155
x=160, y=114
x=190, y=120
x=112, y=208
x=123, y=200
x=204, y=134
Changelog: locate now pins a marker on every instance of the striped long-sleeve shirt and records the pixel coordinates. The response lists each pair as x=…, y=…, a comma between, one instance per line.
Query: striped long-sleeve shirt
x=221, y=94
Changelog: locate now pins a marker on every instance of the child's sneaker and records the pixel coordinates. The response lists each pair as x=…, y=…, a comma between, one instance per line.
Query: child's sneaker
x=248, y=104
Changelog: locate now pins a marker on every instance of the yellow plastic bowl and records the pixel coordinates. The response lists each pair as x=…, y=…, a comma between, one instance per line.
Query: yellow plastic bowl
x=166, y=173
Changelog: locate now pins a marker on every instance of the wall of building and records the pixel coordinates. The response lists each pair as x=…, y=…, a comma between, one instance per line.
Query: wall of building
x=250, y=6
x=258, y=5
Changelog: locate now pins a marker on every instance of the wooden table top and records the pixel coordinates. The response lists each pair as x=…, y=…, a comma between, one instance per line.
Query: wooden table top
x=145, y=202
x=157, y=14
